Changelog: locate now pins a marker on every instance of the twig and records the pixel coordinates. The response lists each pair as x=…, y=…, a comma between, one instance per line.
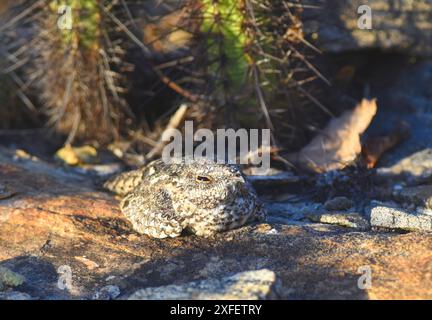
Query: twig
x=174, y=123
x=20, y=16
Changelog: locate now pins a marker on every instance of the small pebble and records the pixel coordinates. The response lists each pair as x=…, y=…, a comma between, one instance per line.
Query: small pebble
x=109, y=278
x=397, y=187
x=273, y=231
x=109, y=292
x=339, y=203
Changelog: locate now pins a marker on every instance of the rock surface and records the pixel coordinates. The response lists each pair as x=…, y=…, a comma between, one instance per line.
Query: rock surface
x=109, y=292
x=394, y=218
x=70, y=241
x=397, y=25
x=415, y=168
x=338, y=203
x=418, y=196
x=348, y=220
x=14, y=295
x=9, y=278
x=248, y=285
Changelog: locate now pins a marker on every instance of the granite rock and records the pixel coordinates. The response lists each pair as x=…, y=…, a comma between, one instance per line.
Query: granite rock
x=395, y=218
x=348, y=220
x=248, y=285
x=397, y=25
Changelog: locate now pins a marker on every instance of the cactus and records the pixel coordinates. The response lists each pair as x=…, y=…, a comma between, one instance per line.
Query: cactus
x=79, y=87
x=253, y=57
x=225, y=42
x=248, y=58
x=284, y=71
x=73, y=64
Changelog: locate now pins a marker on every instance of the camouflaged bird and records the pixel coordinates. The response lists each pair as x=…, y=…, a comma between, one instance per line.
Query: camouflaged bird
x=161, y=200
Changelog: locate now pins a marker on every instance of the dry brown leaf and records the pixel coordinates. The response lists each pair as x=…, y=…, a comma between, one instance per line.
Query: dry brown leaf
x=339, y=143
x=375, y=147
x=74, y=156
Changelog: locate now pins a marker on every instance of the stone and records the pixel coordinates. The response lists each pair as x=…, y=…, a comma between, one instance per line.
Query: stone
x=415, y=168
x=394, y=218
x=286, y=212
x=277, y=179
x=419, y=196
x=348, y=220
x=109, y=292
x=8, y=278
x=338, y=203
x=248, y=285
x=397, y=25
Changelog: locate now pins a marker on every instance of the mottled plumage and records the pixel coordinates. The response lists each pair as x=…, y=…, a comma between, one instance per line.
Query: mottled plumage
x=161, y=200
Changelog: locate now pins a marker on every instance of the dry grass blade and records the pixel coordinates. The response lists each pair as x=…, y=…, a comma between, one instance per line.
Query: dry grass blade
x=174, y=123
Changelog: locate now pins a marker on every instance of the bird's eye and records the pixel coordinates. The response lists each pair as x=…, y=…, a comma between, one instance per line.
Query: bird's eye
x=204, y=179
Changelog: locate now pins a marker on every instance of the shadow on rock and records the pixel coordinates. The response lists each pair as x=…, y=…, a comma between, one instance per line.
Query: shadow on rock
x=296, y=259
x=41, y=278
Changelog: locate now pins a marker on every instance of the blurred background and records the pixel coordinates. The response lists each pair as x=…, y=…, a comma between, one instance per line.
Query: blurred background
x=113, y=74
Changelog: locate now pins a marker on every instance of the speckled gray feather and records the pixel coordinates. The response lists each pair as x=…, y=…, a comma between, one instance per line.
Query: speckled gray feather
x=161, y=200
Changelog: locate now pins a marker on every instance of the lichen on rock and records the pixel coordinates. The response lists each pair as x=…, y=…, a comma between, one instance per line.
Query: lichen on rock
x=8, y=278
